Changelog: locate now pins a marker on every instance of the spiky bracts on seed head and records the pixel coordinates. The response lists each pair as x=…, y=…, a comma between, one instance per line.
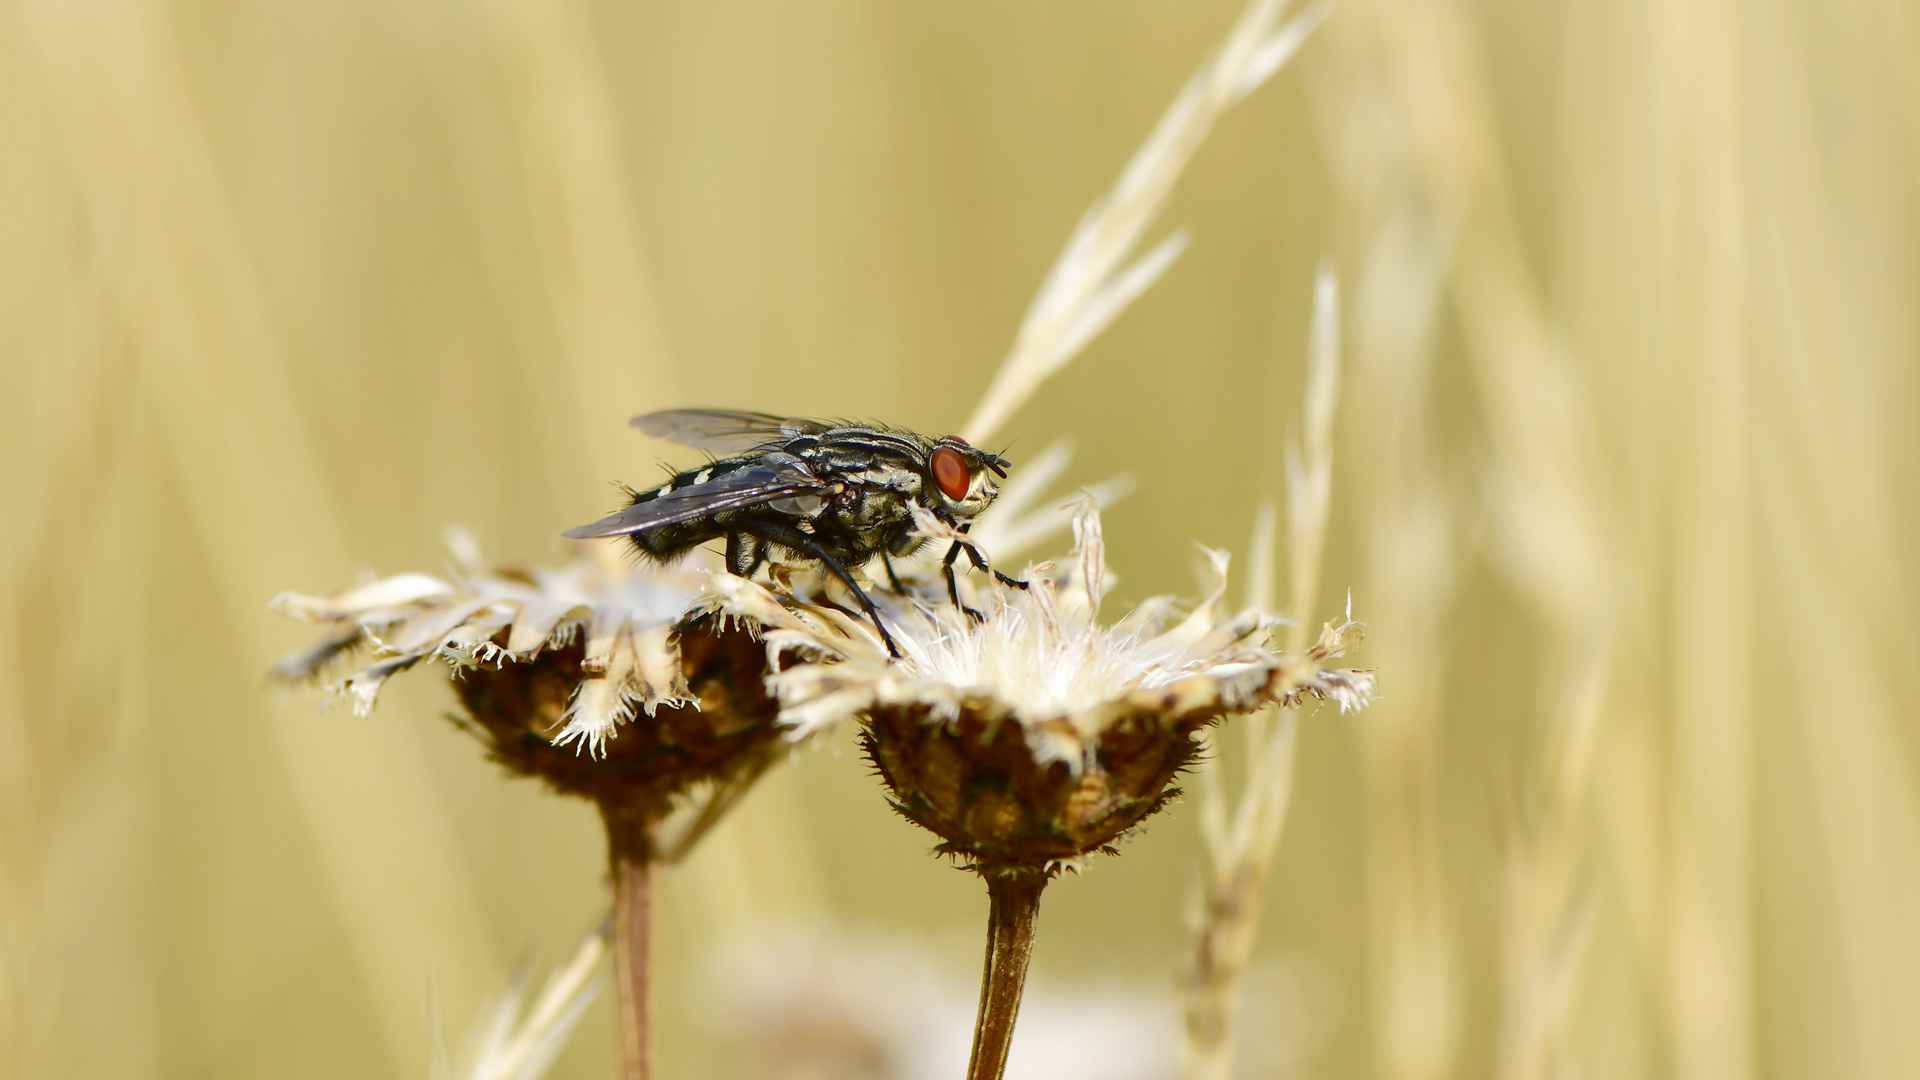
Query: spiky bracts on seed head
x=1040, y=734
x=978, y=787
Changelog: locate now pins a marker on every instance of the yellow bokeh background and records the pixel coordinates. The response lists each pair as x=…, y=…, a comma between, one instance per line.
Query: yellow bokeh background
x=1624, y=490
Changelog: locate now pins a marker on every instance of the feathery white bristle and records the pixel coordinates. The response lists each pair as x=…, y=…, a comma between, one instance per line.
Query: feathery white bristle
x=1041, y=655
x=623, y=610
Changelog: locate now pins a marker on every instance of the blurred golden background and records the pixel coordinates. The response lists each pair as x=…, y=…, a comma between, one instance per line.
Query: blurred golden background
x=1624, y=491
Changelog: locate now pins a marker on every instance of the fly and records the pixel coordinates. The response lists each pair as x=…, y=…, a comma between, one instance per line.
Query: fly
x=820, y=491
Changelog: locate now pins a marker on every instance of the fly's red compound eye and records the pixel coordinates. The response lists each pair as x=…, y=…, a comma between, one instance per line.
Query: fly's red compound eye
x=950, y=472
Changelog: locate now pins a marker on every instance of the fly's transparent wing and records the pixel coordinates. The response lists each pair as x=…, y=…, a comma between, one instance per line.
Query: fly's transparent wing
x=752, y=485
x=722, y=431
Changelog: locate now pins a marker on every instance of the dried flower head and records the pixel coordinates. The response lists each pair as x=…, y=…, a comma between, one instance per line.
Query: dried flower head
x=551, y=663
x=597, y=656
x=1038, y=735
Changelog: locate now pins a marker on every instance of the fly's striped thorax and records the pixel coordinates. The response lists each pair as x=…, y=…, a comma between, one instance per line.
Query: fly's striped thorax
x=858, y=442
x=866, y=457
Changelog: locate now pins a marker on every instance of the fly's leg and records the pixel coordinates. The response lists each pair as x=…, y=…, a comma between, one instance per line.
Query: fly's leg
x=953, y=584
x=740, y=554
x=799, y=541
x=979, y=562
x=892, y=578
x=745, y=553
x=866, y=602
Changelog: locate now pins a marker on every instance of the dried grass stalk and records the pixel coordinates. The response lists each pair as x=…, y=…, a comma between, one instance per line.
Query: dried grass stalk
x=1088, y=286
x=508, y=1045
x=1456, y=231
x=1240, y=841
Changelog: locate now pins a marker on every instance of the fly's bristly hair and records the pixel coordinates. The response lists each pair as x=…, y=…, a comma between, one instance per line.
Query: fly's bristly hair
x=835, y=493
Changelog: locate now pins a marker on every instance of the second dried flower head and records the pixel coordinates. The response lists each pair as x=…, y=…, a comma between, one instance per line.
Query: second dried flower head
x=1038, y=735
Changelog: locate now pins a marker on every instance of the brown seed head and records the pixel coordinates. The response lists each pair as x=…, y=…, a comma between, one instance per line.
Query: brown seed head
x=974, y=782
x=515, y=707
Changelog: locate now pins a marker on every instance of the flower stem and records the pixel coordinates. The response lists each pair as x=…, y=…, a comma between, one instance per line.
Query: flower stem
x=1013, y=895
x=631, y=865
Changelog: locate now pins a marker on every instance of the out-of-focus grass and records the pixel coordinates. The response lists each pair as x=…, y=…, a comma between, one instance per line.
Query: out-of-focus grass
x=1625, y=490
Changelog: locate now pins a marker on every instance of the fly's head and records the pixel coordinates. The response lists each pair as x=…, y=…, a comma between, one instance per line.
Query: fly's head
x=959, y=478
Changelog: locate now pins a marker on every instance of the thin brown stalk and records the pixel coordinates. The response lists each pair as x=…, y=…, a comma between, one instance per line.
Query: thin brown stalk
x=632, y=865
x=1013, y=913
